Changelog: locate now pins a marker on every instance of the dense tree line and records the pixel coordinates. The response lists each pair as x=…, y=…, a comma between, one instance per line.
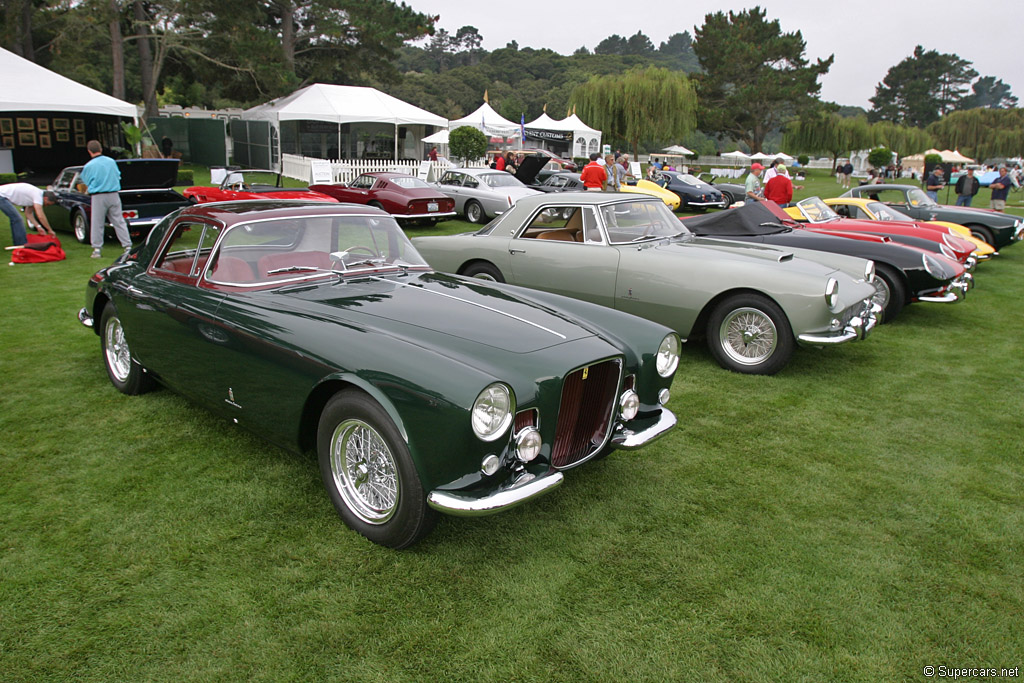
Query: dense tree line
x=739, y=79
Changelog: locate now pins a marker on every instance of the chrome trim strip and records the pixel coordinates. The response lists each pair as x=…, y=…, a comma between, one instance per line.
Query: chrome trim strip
x=424, y=215
x=627, y=439
x=454, y=503
x=473, y=303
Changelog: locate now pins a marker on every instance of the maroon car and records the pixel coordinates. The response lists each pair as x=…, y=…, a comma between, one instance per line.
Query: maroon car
x=404, y=196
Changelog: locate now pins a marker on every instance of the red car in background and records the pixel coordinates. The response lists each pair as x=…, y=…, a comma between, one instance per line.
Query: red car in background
x=404, y=196
x=252, y=184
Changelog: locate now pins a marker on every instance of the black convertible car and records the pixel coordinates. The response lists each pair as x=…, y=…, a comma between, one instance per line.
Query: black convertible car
x=694, y=194
x=904, y=274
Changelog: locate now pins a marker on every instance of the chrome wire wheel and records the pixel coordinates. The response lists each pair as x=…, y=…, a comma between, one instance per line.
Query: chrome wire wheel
x=748, y=336
x=81, y=227
x=882, y=293
x=365, y=472
x=118, y=355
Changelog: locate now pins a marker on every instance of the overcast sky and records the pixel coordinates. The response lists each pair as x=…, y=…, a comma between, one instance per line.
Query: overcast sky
x=866, y=38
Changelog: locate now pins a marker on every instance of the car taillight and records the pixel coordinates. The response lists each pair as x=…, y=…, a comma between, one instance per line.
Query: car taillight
x=130, y=214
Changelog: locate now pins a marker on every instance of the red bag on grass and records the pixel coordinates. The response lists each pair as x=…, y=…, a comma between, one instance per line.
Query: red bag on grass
x=39, y=249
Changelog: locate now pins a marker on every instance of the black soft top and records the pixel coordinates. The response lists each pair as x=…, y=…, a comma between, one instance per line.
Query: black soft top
x=753, y=218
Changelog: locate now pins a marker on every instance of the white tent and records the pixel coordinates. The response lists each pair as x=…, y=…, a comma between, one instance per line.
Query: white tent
x=677, y=149
x=438, y=138
x=26, y=86
x=760, y=156
x=735, y=155
x=584, y=141
x=488, y=121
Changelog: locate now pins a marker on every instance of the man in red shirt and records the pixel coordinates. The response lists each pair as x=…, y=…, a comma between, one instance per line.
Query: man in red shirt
x=779, y=188
x=593, y=175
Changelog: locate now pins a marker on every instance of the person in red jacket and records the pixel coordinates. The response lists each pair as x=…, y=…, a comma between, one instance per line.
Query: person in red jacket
x=779, y=188
x=594, y=176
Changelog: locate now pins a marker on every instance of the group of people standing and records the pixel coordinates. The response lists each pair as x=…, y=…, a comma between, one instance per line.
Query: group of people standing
x=606, y=174
x=777, y=185
x=967, y=185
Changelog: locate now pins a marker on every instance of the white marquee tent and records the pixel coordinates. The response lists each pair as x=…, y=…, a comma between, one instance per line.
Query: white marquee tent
x=584, y=140
x=488, y=121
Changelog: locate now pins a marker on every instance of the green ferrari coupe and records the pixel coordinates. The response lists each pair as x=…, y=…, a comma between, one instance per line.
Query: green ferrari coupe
x=319, y=327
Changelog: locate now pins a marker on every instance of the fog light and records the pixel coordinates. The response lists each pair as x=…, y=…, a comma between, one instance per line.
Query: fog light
x=490, y=465
x=835, y=325
x=629, y=405
x=663, y=397
x=528, y=444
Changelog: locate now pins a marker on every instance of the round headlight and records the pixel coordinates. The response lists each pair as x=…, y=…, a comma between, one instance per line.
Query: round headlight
x=492, y=412
x=947, y=251
x=932, y=265
x=629, y=405
x=668, y=355
x=869, y=272
x=832, y=292
x=528, y=444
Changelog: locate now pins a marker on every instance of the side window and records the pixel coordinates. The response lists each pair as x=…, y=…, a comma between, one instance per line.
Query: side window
x=363, y=182
x=451, y=179
x=188, y=249
x=560, y=223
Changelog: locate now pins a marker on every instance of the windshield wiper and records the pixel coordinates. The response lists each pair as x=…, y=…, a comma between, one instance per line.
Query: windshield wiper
x=294, y=269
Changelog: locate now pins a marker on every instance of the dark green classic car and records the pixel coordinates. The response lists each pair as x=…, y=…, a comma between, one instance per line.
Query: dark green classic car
x=319, y=326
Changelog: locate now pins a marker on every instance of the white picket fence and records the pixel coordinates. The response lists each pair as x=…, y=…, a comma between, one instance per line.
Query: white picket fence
x=343, y=171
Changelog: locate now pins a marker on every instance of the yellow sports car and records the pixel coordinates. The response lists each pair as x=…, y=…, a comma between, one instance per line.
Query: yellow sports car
x=871, y=210
x=647, y=187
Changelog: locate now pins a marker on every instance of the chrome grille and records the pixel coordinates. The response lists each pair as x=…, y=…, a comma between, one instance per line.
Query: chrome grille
x=585, y=413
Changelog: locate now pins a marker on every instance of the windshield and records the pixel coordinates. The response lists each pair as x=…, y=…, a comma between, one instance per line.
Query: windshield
x=283, y=250
x=917, y=197
x=883, y=212
x=410, y=183
x=816, y=211
x=251, y=178
x=686, y=179
x=500, y=180
x=638, y=221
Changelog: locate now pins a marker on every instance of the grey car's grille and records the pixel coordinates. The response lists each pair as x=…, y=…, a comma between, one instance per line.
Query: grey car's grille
x=585, y=414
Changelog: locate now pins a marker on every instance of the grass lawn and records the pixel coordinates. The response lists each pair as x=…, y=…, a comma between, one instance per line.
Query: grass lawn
x=858, y=517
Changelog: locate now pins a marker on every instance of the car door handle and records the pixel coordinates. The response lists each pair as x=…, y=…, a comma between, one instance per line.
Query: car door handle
x=517, y=251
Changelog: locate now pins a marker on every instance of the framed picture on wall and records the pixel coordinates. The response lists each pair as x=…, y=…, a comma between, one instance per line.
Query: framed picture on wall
x=79, y=125
x=26, y=139
x=44, y=140
x=63, y=136
x=6, y=126
x=79, y=139
x=61, y=124
x=8, y=141
x=43, y=125
x=26, y=124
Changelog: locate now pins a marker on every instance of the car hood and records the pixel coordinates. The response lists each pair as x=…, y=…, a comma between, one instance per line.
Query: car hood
x=436, y=309
x=138, y=174
x=530, y=166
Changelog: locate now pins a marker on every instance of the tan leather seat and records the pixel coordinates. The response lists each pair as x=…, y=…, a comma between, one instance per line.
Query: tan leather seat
x=558, y=235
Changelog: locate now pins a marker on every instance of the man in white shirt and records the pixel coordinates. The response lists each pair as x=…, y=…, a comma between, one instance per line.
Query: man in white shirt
x=13, y=195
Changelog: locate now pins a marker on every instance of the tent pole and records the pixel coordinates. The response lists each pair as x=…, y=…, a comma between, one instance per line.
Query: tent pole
x=340, y=156
x=396, y=142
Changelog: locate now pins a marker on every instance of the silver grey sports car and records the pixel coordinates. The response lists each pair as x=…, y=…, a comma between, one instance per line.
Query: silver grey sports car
x=482, y=193
x=754, y=303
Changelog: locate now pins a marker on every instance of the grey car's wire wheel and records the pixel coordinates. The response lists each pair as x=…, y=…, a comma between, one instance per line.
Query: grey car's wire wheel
x=475, y=212
x=368, y=471
x=749, y=333
x=364, y=471
x=897, y=291
x=80, y=225
x=882, y=292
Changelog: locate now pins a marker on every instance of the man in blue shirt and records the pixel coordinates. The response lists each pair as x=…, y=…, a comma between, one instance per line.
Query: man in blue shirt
x=1000, y=189
x=934, y=183
x=103, y=182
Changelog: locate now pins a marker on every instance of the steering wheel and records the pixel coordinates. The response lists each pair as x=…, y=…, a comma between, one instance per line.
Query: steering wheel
x=239, y=187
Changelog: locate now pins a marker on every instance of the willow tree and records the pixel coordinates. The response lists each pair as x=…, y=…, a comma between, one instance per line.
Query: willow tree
x=827, y=132
x=981, y=132
x=904, y=140
x=640, y=104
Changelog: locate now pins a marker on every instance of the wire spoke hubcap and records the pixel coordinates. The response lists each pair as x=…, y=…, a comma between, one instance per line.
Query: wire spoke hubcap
x=748, y=336
x=119, y=357
x=365, y=472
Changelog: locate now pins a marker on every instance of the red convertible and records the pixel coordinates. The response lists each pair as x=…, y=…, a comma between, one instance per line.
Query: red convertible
x=404, y=196
x=252, y=184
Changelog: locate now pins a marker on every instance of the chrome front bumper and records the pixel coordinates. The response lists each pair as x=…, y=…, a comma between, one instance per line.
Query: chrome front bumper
x=954, y=292
x=526, y=487
x=650, y=428
x=856, y=329
x=85, y=318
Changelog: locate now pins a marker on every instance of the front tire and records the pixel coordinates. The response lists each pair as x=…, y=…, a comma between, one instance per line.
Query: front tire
x=124, y=372
x=749, y=333
x=475, y=212
x=482, y=270
x=982, y=233
x=897, y=291
x=80, y=225
x=369, y=474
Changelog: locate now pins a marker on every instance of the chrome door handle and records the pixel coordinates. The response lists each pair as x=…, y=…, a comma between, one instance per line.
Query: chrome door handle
x=517, y=251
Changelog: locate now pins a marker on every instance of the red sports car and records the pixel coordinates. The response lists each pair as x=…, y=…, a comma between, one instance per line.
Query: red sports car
x=252, y=184
x=404, y=196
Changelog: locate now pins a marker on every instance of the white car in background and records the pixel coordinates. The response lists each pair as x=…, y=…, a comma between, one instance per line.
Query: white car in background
x=482, y=193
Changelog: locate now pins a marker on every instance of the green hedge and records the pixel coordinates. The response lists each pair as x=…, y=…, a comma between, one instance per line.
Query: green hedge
x=8, y=178
x=185, y=177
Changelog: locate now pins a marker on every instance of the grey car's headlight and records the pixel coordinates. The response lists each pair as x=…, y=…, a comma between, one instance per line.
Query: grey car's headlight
x=869, y=272
x=832, y=293
x=492, y=412
x=668, y=355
